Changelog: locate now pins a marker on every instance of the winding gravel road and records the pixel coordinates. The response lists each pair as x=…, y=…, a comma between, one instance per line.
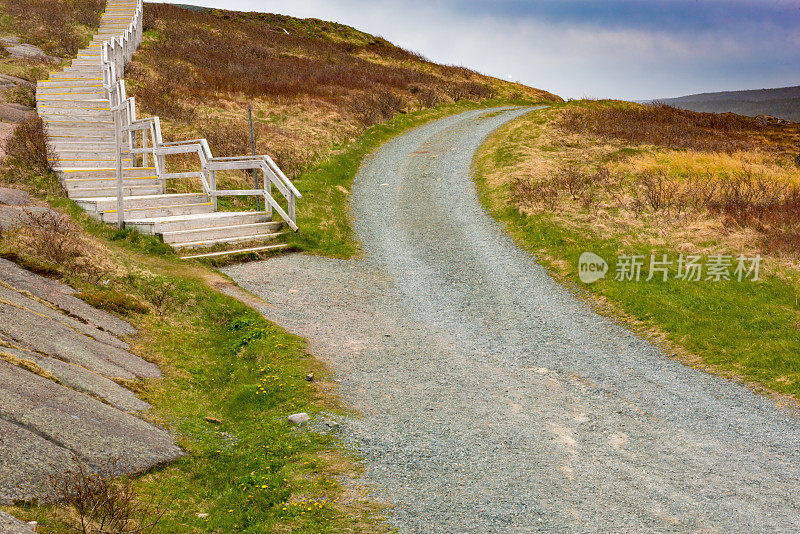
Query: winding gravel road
x=494, y=401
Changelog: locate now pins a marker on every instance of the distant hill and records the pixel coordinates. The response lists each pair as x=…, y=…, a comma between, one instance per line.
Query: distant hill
x=783, y=102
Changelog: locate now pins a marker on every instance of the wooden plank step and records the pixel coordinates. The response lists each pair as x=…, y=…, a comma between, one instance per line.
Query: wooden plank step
x=109, y=173
x=199, y=235
x=230, y=240
x=145, y=201
x=127, y=190
x=94, y=99
x=160, y=225
x=109, y=183
x=48, y=87
x=60, y=164
x=235, y=251
x=140, y=213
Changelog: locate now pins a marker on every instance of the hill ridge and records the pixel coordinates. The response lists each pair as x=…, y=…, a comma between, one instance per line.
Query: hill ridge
x=782, y=102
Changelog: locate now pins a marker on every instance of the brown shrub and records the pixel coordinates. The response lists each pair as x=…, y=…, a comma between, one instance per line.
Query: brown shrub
x=529, y=194
x=55, y=25
x=113, y=301
x=101, y=504
x=53, y=239
x=28, y=147
x=164, y=296
x=668, y=126
x=747, y=197
x=202, y=55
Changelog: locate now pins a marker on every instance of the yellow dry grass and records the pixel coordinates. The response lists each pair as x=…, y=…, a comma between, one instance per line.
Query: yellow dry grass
x=534, y=150
x=683, y=163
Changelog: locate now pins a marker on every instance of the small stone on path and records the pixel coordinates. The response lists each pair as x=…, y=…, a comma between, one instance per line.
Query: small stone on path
x=299, y=418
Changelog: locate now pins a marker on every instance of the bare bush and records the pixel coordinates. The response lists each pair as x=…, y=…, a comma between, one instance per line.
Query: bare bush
x=28, y=146
x=658, y=190
x=55, y=25
x=163, y=295
x=589, y=199
x=671, y=127
x=101, y=504
x=53, y=236
x=527, y=193
x=50, y=237
x=574, y=180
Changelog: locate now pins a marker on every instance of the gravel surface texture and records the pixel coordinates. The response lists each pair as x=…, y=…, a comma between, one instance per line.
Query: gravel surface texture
x=491, y=399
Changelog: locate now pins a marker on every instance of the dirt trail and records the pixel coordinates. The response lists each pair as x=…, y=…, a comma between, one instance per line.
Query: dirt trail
x=493, y=400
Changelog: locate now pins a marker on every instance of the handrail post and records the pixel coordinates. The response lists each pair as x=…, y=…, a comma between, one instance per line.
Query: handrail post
x=253, y=151
x=267, y=191
x=145, y=158
x=212, y=186
x=118, y=145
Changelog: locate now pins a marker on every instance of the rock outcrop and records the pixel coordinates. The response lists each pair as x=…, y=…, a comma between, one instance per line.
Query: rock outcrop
x=60, y=399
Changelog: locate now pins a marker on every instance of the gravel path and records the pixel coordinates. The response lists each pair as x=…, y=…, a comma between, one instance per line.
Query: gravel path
x=491, y=399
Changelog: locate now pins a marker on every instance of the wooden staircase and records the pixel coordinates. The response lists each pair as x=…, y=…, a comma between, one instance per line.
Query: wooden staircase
x=108, y=158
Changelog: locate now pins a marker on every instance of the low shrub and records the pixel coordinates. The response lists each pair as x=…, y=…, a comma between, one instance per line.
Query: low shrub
x=60, y=27
x=667, y=126
x=28, y=147
x=165, y=296
x=98, y=503
x=113, y=301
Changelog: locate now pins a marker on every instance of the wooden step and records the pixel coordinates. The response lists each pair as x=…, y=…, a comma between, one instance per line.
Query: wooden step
x=85, y=163
x=264, y=248
x=73, y=143
x=161, y=225
x=228, y=240
x=75, y=98
x=67, y=85
x=127, y=190
x=74, y=184
x=238, y=231
x=87, y=155
x=77, y=87
x=140, y=213
x=140, y=202
x=108, y=173
x=59, y=112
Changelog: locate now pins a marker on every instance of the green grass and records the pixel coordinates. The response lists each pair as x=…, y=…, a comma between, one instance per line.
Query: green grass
x=748, y=330
x=324, y=211
x=250, y=472
x=249, y=469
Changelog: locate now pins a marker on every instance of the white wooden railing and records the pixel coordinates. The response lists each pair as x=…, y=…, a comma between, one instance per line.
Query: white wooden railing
x=143, y=137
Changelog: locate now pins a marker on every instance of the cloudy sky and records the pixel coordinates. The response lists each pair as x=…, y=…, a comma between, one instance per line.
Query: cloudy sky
x=631, y=49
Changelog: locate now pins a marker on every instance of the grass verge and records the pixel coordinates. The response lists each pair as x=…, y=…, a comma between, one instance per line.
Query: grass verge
x=230, y=378
x=746, y=330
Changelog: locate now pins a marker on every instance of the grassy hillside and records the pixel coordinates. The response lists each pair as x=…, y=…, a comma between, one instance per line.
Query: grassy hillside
x=323, y=94
x=320, y=91
x=624, y=180
x=59, y=27
x=783, y=102
x=314, y=85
